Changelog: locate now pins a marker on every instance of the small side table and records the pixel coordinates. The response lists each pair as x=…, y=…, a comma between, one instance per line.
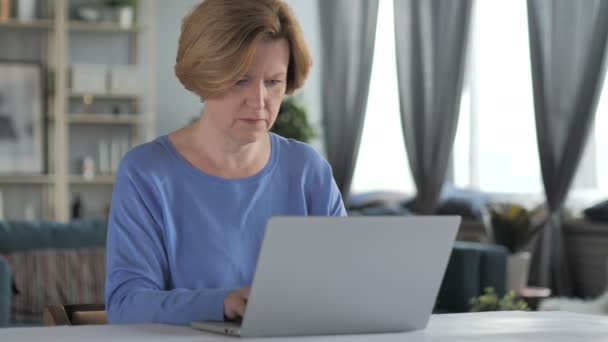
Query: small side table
x=533, y=295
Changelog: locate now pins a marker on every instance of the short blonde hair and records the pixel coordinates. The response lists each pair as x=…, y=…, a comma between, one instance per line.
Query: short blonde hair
x=219, y=37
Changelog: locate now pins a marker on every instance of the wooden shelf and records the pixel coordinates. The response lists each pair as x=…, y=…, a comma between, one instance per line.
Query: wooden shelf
x=44, y=24
x=26, y=179
x=104, y=119
x=101, y=27
x=104, y=96
x=96, y=180
x=66, y=118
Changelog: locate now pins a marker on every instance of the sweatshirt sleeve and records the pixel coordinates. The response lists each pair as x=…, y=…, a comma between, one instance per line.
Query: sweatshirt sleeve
x=137, y=277
x=325, y=197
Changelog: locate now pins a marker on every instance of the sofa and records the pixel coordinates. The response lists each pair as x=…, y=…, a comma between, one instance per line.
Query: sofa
x=473, y=266
x=57, y=263
x=586, y=244
x=45, y=262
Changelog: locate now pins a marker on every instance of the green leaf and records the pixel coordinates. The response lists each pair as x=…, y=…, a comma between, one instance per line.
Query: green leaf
x=292, y=121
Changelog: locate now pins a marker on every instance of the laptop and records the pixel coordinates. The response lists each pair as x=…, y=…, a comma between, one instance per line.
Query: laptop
x=345, y=275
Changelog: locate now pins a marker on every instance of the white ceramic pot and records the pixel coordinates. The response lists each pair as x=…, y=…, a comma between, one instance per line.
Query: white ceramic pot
x=125, y=17
x=518, y=265
x=1, y=206
x=26, y=9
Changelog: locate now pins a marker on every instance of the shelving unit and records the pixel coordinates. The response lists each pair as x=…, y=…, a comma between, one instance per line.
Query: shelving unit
x=84, y=26
x=45, y=24
x=104, y=96
x=69, y=131
x=105, y=119
x=104, y=179
x=26, y=179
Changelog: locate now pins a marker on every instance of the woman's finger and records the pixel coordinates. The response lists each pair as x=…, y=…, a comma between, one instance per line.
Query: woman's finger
x=240, y=309
x=246, y=293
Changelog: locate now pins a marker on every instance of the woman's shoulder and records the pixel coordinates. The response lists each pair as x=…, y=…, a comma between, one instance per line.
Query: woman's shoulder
x=153, y=155
x=298, y=154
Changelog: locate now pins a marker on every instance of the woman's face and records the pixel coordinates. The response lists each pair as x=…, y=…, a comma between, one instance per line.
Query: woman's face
x=246, y=111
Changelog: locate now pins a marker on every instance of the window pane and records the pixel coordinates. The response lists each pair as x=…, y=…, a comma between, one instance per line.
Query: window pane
x=463, y=176
x=382, y=163
x=590, y=184
x=503, y=149
x=601, y=140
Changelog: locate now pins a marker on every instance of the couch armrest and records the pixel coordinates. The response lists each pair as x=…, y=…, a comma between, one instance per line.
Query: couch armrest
x=5, y=292
x=472, y=267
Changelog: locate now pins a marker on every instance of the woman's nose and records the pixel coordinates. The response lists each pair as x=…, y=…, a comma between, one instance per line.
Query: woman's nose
x=256, y=95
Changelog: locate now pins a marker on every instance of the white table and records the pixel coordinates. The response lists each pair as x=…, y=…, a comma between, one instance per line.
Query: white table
x=492, y=326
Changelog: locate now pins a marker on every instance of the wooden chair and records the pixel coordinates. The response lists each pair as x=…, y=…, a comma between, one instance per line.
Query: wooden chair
x=77, y=314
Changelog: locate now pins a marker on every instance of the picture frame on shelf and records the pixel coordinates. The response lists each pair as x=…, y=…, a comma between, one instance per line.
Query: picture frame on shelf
x=123, y=79
x=22, y=125
x=5, y=10
x=88, y=78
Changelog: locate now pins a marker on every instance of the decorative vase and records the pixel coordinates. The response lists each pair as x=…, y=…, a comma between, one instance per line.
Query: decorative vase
x=125, y=17
x=26, y=9
x=518, y=265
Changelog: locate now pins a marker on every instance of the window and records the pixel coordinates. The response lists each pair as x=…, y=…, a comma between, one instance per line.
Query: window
x=495, y=149
x=382, y=162
x=591, y=182
x=601, y=139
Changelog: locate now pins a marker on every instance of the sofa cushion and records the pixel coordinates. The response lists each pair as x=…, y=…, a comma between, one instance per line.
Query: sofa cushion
x=5, y=293
x=472, y=267
x=55, y=276
x=379, y=211
x=375, y=199
x=26, y=235
x=598, y=212
x=468, y=204
x=466, y=208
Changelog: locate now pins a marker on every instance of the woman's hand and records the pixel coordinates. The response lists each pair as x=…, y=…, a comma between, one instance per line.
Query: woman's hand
x=235, y=303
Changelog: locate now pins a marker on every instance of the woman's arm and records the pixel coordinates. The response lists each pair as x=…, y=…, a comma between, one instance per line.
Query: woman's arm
x=325, y=197
x=137, y=268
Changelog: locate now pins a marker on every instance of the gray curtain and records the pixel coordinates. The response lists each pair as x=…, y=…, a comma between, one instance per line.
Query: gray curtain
x=431, y=42
x=348, y=32
x=567, y=47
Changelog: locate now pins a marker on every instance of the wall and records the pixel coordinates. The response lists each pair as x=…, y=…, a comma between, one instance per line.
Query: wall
x=175, y=106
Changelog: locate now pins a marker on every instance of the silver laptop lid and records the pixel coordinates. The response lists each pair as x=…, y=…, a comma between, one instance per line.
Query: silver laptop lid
x=336, y=275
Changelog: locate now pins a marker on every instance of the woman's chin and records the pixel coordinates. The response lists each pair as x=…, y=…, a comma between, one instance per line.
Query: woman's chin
x=251, y=137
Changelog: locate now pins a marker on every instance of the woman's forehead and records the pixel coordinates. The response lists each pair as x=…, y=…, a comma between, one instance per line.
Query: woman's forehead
x=271, y=57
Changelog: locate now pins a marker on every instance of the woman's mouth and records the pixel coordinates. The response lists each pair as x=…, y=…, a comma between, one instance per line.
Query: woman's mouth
x=251, y=121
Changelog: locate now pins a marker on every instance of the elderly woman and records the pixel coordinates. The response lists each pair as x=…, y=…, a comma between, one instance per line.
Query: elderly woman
x=189, y=209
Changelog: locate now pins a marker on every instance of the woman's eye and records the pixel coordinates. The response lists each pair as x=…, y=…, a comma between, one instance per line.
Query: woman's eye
x=241, y=82
x=274, y=82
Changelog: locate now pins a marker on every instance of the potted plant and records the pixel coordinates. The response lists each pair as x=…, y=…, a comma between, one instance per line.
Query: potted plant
x=513, y=226
x=489, y=301
x=123, y=11
x=292, y=121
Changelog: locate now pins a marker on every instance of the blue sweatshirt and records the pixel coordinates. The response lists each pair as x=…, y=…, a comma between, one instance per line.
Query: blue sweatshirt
x=179, y=239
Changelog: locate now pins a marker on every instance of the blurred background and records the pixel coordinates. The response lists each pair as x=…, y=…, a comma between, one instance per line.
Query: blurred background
x=496, y=111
